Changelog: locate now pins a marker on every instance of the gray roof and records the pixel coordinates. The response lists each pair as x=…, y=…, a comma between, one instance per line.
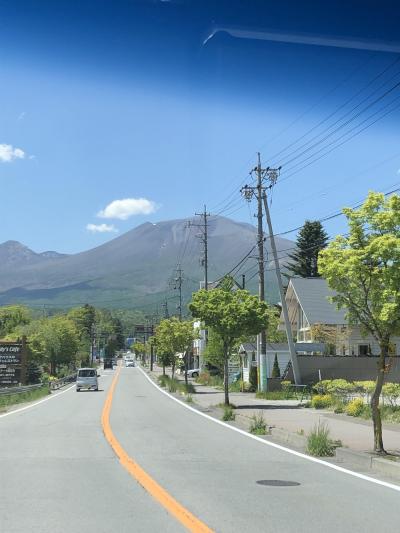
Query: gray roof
x=313, y=295
x=271, y=347
x=277, y=347
x=248, y=347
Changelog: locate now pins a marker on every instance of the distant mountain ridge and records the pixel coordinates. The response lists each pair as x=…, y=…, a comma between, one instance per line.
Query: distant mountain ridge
x=14, y=254
x=131, y=270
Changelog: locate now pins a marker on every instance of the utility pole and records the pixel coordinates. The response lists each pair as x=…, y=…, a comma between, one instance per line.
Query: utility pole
x=248, y=192
x=92, y=343
x=204, y=238
x=164, y=305
x=178, y=285
x=272, y=176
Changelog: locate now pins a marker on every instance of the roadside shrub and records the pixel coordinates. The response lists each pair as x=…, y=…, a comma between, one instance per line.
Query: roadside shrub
x=272, y=395
x=390, y=414
x=189, y=398
x=253, y=379
x=239, y=386
x=203, y=378
x=365, y=387
x=228, y=413
x=287, y=387
x=258, y=424
x=172, y=385
x=187, y=389
x=212, y=381
x=355, y=407
x=321, y=401
x=163, y=380
x=319, y=444
x=391, y=392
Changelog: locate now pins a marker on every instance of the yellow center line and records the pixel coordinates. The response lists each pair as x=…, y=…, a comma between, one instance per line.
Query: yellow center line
x=185, y=517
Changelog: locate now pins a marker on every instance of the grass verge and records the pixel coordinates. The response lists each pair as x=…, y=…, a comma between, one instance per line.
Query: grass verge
x=23, y=397
x=258, y=424
x=319, y=443
x=228, y=413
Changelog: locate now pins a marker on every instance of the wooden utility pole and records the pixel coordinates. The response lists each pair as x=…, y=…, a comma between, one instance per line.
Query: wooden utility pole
x=203, y=225
x=272, y=174
x=249, y=192
x=178, y=285
x=262, y=341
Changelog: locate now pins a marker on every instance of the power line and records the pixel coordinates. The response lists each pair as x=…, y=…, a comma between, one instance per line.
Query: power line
x=330, y=115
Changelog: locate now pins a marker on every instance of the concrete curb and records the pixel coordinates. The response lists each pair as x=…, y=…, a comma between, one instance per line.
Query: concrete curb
x=386, y=467
x=293, y=439
x=366, y=460
x=357, y=458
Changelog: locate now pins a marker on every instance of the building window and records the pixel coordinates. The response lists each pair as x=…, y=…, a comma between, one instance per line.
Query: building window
x=363, y=349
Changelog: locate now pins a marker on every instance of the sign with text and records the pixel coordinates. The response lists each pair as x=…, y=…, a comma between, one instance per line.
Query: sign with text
x=12, y=363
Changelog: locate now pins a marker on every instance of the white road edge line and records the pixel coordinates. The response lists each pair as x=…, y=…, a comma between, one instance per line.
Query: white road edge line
x=50, y=397
x=274, y=445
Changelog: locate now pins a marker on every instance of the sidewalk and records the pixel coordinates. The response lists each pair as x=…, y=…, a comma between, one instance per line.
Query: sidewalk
x=289, y=415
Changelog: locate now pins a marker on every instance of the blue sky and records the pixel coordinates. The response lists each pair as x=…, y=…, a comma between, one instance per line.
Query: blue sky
x=123, y=115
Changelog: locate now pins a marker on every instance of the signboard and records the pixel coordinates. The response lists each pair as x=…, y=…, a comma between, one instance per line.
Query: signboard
x=12, y=363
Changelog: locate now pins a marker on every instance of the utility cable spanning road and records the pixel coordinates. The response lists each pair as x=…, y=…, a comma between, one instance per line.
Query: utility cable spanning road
x=60, y=474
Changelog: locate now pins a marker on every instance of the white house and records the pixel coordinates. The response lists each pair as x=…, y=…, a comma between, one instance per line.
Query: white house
x=314, y=318
x=248, y=353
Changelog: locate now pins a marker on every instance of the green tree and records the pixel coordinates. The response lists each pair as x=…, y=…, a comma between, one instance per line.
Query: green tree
x=311, y=239
x=84, y=319
x=214, y=350
x=364, y=270
x=175, y=336
x=140, y=350
x=12, y=316
x=276, y=371
x=273, y=333
x=57, y=340
x=232, y=315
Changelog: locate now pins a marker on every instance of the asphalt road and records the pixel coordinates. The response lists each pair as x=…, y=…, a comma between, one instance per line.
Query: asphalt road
x=58, y=473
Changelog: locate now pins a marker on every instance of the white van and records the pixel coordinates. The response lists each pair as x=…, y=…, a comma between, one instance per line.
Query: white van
x=86, y=378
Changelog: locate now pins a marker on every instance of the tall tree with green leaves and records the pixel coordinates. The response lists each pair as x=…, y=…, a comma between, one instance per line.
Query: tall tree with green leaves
x=175, y=336
x=12, y=316
x=232, y=315
x=364, y=270
x=311, y=239
x=57, y=340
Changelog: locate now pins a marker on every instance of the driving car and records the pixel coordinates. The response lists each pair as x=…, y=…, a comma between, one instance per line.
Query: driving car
x=86, y=378
x=108, y=363
x=129, y=362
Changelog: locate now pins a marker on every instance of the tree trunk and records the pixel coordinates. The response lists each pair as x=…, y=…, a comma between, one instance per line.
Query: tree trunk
x=226, y=374
x=173, y=369
x=163, y=370
x=376, y=413
x=186, y=369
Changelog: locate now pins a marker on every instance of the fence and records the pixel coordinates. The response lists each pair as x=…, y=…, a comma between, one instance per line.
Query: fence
x=57, y=384
x=53, y=385
x=19, y=390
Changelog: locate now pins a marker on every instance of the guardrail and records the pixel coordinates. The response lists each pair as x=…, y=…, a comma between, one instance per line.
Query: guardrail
x=57, y=384
x=7, y=391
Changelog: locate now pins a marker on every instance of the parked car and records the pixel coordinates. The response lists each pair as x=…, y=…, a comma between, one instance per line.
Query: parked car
x=193, y=373
x=86, y=378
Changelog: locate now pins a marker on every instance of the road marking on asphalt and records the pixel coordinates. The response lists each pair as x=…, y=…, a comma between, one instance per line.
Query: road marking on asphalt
x=34, y=404
x=274, y=445
x=185, y=517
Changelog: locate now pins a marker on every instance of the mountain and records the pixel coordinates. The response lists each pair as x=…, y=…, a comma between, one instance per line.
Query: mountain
x=13, y=255
x=131, y=270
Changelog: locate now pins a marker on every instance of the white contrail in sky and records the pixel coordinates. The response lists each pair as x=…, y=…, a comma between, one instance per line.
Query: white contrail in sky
x=314, y=40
